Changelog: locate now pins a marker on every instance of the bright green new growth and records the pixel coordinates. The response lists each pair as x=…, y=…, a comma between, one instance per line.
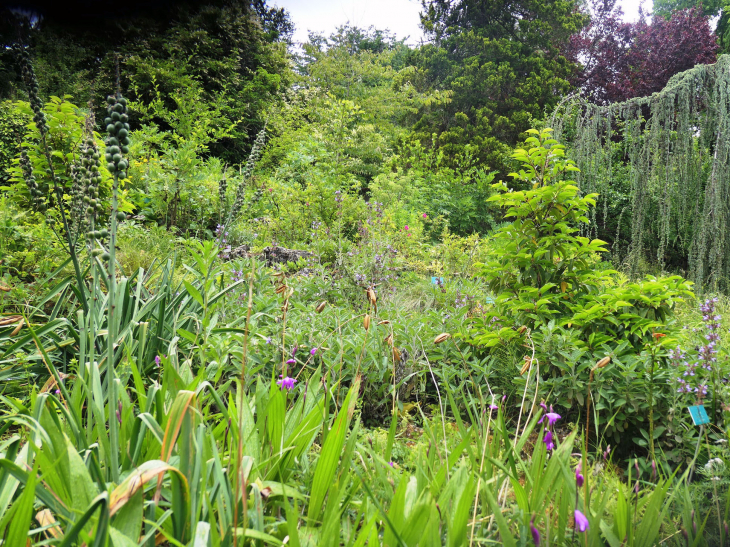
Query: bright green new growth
x=543, y=270
x=676, y=145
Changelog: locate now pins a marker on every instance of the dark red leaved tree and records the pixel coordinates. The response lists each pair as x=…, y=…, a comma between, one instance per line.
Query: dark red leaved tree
x=623, y=60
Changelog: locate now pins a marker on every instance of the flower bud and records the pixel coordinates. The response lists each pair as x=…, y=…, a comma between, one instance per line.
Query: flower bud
x=602, y=363
x=321, y=306
x=366, y=322
x=441, y=338
x=526, y=366
x=372, y=298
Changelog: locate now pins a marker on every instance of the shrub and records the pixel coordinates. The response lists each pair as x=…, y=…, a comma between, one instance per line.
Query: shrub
x=552, y=287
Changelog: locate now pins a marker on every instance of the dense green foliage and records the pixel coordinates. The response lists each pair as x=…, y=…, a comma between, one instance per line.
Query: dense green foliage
x=501, y=63
x=669, y=150
x=348, y=295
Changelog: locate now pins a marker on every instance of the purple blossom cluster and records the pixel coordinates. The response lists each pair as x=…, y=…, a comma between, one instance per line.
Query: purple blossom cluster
x=222, y=235
x=315, y=228
x=375, y=207
x=462, y=300
x=693, y=373
x=552, y=417
x=286, y=383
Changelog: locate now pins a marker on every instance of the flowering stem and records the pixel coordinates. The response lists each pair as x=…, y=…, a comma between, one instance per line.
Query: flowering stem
x=238, y=477
x=651, y=401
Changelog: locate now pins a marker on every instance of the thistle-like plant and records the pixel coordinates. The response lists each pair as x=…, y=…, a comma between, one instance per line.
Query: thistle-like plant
x=240, y=197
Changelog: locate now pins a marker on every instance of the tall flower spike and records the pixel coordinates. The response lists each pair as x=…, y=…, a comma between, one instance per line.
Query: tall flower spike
x=31, y=82
x=36, y=194
x=117, y=142
x=253, y=157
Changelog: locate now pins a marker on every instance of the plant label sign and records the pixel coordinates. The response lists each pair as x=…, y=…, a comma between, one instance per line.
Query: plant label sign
x=699, y=415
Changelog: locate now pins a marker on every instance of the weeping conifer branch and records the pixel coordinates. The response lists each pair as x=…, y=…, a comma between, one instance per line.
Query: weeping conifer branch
x=674, y=147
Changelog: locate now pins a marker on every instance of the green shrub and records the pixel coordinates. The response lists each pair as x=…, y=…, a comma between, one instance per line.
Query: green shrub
x=551, y=287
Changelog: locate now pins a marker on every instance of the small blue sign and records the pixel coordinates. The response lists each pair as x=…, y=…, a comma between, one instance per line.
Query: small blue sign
x=437, y=280
x=699, y=415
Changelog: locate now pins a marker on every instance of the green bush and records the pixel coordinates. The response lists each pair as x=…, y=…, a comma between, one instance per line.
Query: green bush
x=552, y=288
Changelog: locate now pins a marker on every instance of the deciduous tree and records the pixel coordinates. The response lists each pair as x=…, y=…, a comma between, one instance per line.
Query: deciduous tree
x=623, y=60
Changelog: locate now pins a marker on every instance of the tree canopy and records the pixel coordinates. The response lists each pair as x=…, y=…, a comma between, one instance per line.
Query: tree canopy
x=502, y=64
x=621, y=60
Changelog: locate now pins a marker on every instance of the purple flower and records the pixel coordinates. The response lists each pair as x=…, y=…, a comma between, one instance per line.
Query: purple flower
x=493, y=407
x=535, y=533
x=548, y=440
x=287, y=382
x=294, y=351
x=268, y=339
x=405, y=227
x=291, y=361
x=543, y=406
x=157, y=360
x=58, y=392
x=551, y=416
x=581, y=522
x=578, y=477
x=313, y=351
x=425, y=215
x=391, y=464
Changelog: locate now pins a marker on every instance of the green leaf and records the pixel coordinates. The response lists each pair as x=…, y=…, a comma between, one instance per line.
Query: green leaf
x=195, y=293
x=22, y=512
x=330, y=455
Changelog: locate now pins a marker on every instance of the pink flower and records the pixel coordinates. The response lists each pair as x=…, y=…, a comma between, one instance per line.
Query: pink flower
x=291, y=362
x=425, y=215
x=287, y=382
x=581, y=522
x=535, y=533
x=313, y=351
x=548, y=440
x=406, y=227
x=551, y=416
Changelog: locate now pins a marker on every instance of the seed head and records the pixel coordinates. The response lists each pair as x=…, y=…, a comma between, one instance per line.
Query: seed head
x=441, y=338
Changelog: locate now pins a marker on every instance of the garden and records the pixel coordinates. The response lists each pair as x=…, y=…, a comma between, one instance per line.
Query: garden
x=360, y=292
